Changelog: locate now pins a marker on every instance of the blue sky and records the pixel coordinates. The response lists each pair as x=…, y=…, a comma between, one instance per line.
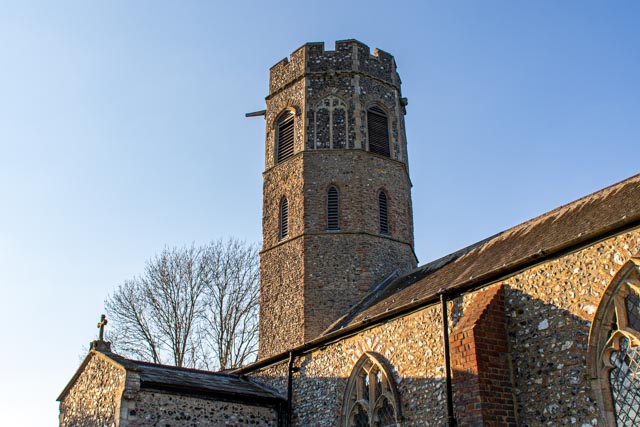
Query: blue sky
x=122, y=130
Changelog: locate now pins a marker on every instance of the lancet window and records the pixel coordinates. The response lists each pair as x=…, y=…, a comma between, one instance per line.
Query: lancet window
x=371, y=398
x=284, y=219
x=383, y=212
x=333, y=209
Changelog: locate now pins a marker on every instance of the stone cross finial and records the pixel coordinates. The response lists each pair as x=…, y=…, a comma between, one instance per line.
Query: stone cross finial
x=103, y=322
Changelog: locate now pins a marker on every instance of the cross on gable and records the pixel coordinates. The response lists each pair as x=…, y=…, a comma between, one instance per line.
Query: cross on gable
x=103, y=322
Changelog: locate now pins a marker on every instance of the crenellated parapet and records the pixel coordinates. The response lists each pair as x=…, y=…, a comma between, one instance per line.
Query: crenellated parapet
x=348, y=56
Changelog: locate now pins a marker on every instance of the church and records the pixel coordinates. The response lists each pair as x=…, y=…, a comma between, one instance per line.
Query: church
x=536, y=325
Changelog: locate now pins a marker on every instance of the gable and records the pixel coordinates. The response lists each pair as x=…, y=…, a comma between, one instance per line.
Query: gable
x=94, y=394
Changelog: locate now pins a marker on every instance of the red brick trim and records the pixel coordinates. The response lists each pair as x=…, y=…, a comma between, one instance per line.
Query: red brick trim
x=483, y=393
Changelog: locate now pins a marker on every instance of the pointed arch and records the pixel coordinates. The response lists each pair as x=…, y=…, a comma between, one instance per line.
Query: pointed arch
x=371, y=397
x=613, y=356
x=328, y=124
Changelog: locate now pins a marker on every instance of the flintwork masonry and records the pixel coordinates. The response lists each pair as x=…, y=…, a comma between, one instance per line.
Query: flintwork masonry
x=536, y=326
x=313, y=275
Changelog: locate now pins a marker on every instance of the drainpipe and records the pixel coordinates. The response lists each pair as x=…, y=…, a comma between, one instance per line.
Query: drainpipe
x=290, y=371
x=451, y=420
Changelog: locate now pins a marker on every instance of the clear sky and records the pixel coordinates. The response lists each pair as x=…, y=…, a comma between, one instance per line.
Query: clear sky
x=122, y=130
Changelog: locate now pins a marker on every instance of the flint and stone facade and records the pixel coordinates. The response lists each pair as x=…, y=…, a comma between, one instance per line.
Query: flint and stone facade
x=542, y=320
x=315, y=275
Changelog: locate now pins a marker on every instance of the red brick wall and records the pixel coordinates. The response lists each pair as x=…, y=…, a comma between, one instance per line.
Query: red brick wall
x=483, y=394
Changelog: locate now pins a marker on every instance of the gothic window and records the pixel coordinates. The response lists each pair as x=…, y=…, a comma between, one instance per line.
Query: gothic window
x=333, y=209
x=383, y=212
x=284, y=137
x=371, y=398
x=329, y=124
x=378, y=129
x=284, y=219
x=614, y=348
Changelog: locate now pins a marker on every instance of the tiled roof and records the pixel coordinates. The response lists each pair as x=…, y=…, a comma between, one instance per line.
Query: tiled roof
x=190, y=381
x=194, y=381
x=566, y=228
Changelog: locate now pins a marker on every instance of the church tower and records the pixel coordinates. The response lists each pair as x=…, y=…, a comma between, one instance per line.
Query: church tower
x=337, y=215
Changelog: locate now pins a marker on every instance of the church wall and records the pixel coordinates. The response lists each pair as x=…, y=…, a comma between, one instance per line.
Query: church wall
x=281, y=271
x=153, y=408
x=281, y=263
x=413, y=347
x=358, y=175
x=341, y=266
x=94, y=399
x=549, y=310
x=335, y=278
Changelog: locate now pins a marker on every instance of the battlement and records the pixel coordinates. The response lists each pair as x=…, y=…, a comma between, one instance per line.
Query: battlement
x=349, y=55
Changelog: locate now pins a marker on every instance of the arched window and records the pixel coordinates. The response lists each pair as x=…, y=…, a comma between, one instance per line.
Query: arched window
x=383, y=212
x=333, y=209
x=614, y=348
x=284, y=137
x=328, y=126
x=371, y=398
x=284, y=219
x=378, y=129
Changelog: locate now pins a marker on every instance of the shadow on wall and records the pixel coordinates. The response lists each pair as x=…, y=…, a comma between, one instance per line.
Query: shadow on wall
x=548, y=352
x=544, y=358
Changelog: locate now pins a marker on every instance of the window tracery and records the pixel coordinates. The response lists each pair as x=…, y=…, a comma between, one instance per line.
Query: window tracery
x=371, y=399
x=614, y=348
x=328, y=124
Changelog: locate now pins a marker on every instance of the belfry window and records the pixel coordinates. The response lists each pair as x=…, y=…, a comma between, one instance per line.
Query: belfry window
x=378, y=129
x=284, y=219
x=383, y=212
x=614, y=348
x=327, y=124
x=333, y=209
x=284, y=137
x=371, y=398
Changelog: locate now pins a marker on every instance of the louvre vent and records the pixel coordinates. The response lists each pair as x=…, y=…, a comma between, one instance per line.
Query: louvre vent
x=383, y=213
x=285, y=137
x=378, y=131
x=333, y=222
x=284, y=218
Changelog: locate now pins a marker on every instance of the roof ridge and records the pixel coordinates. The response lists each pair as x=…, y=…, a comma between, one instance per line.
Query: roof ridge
x=115, y=357
x=601, y=192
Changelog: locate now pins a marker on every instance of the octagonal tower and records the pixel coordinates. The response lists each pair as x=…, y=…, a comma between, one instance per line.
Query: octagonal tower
x=337, y=214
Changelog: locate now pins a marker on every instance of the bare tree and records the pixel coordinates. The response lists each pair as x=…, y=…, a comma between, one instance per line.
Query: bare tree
x=232, y=296
x=192, y=306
